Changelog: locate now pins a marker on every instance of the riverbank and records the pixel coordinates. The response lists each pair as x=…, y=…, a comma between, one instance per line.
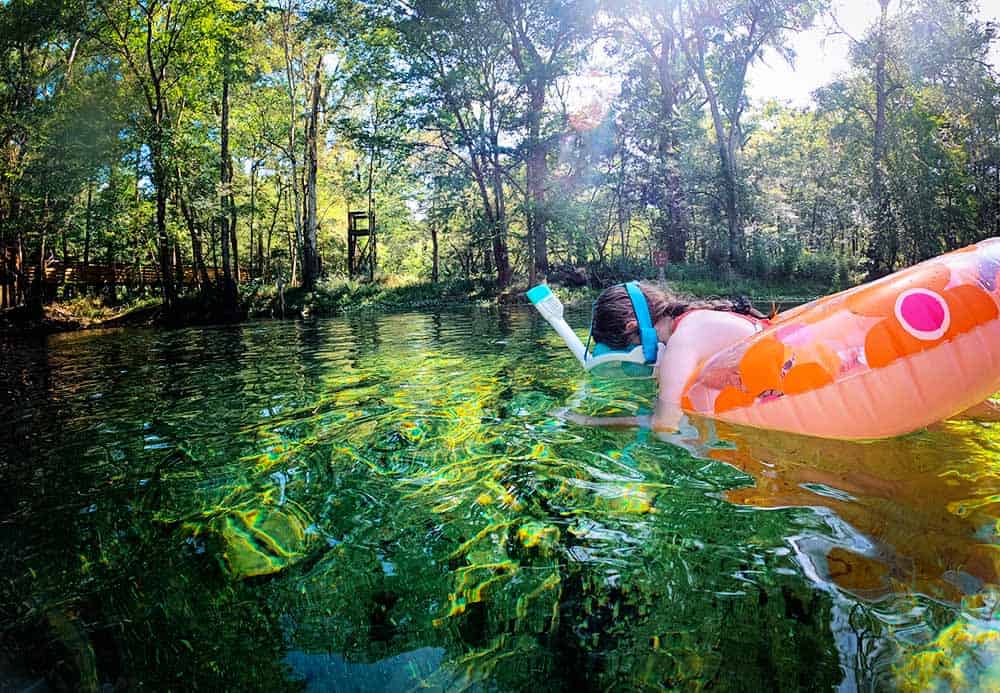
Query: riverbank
x=81, y=314
x=339, y=296
x=336, y=297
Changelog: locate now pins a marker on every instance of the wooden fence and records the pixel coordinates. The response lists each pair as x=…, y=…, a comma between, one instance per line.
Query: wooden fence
x=14, y=283
x=101, y=275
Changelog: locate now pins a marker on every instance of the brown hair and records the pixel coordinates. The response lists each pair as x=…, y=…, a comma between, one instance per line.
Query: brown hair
x=613, y=310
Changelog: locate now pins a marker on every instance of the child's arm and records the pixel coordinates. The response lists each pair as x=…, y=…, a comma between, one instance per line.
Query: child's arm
x=700, y=336
x=611, y=421
x=680, y=359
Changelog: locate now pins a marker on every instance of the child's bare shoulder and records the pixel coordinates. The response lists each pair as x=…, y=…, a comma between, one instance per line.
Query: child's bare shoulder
x=699, y=321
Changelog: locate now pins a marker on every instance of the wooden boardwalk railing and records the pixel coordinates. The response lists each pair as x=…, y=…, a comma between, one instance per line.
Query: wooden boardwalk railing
x=99, y=275
x=14, y=285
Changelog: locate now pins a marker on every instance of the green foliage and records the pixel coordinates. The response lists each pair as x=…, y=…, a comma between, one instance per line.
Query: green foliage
x=845, y=271
x=335, y=296
x=817, y=267
x=760, y=259
x=789, y=259
x=427, y=116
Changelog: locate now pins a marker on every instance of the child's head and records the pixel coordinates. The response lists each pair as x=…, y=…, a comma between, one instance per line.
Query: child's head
x=615, y=322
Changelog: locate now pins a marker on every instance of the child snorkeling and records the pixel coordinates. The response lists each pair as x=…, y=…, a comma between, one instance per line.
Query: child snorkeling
x=691, y=330
x=640, y=323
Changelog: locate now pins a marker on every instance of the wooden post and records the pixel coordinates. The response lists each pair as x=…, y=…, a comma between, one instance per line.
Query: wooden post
x=351, y=243
x=371, y=242
x=358, y=255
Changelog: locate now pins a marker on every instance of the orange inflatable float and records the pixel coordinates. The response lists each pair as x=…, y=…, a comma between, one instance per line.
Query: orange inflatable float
x=878, y=360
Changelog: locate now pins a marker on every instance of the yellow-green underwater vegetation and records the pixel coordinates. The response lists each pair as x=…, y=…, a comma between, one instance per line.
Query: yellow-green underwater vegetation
x=396, y=503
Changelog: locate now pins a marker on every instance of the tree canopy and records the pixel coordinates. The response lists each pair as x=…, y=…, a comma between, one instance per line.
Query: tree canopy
x=221, y=144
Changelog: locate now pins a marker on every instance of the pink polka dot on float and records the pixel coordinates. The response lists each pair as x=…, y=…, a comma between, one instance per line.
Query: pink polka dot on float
x=922, y=313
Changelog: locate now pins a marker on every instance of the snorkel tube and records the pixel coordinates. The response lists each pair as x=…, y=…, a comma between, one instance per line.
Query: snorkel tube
x=551, y=308
x=645, y=354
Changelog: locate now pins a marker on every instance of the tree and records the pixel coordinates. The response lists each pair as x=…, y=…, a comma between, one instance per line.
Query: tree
x=883, y=245
x=545, y=39
x=465, y=102
x=721, y=41
x=658, y=83
x=159, y=43
x=39, y=46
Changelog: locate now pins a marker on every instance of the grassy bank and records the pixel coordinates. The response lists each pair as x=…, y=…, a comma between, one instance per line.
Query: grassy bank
x=340, y=296
x=335, y=297
x=82, y=313
x=348, y=297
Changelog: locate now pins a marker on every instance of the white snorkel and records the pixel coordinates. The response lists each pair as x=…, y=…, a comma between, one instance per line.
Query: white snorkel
x=645, y=354
x=551, y=308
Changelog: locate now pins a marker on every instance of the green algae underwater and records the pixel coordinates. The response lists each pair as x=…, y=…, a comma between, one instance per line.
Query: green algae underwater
x=394, y=502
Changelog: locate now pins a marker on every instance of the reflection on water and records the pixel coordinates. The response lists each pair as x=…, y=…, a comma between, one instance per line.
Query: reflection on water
x=392, y=503
x=923, y=508
x=334, y=674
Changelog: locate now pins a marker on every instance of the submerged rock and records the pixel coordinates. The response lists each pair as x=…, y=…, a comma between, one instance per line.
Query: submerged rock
x=260, y=541
x=964, y=656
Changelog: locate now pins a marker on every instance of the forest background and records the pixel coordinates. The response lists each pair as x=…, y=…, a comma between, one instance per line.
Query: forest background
x=221, y=144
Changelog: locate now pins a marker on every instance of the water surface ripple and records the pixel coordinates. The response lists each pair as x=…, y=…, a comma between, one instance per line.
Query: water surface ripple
x=394, y=502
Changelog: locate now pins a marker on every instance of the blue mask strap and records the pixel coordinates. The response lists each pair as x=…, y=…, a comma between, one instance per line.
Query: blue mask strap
x=647, y=332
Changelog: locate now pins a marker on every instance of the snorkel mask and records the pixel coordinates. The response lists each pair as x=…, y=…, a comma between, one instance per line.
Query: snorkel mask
x=637, y=362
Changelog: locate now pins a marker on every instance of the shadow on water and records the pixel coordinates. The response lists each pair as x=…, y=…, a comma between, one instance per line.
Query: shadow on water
x=389, y=502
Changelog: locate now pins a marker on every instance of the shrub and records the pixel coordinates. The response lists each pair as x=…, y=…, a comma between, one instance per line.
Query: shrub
x=616, y=270
x=845, y=267
x=817, y=267
x=760, y=261
x=788, y=261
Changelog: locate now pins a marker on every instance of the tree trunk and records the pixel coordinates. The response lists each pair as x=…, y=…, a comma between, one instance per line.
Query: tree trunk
x=160, y=183
x=215, y=246
x=292, y=160
x=232, y=227
x=178, y=266
x=727, y=160
x=253, y=213
x=226, y=214
x=36, y=290
x=293, y=247
x=260, y=254
x=501, y=254
x=434, y=251
x=495, y=214
x=310, y=254
x=20, y=285
x=197, y=250
x=883, y=245
x=372, y=247
x=270, y=230
x=86, y=225
x=673, y=212
x=620, y=198
x=536, y=174
x=727, y=168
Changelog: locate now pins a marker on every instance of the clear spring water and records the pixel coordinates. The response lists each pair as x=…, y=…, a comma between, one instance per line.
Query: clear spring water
x=393, y=502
